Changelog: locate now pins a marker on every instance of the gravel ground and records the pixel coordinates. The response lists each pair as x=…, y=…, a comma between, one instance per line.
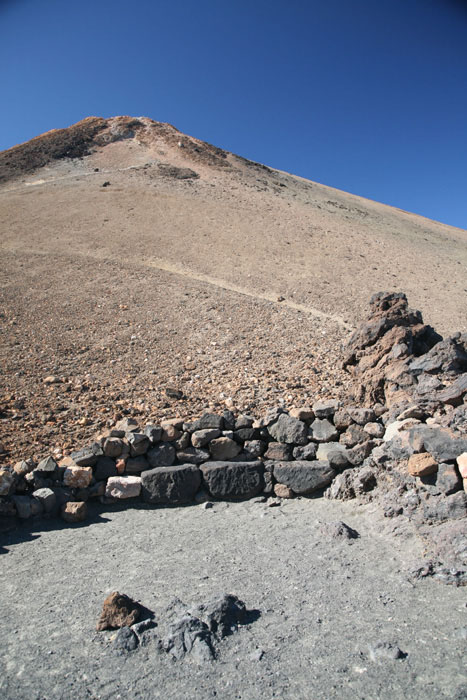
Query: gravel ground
x=324, y=603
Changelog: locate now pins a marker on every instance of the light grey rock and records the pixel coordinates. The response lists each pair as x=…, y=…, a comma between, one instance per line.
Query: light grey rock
x=47, y=499
x=325, y=409
x=323, y=431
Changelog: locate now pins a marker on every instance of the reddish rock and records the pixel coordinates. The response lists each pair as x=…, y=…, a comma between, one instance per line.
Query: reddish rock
x=74, y=512
x=283, y=491
x=118, y=611
x=422, y=464
x=462, y=464
x=77, y=477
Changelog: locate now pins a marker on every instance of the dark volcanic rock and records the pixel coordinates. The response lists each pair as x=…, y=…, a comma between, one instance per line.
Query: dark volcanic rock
x=118, y=611
x=207, y=421
x=234, y=480
x=170, y=484
x=161, y=456
x=439, y=442
x=448, y=479
x=189, y=635
x=135, y=465
x=289, y=430
x=222, y=615
x=192, y=455
x=304, y=477
x=139, y=443
x=105, y=468
x=125, y=640
x=278, y=450
x=305, y=451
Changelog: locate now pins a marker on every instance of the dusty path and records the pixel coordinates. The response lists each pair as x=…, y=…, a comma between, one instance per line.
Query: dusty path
x=323, y=604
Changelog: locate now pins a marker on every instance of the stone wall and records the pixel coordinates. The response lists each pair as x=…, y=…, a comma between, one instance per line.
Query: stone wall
x=409, y=441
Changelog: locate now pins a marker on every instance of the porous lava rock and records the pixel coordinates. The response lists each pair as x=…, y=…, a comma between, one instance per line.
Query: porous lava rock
x=119, y=610
x=171, y=484
x=304, y=477
x=233, y=480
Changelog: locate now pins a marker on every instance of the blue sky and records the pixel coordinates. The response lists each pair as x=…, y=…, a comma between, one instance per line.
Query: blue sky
x=369, y=96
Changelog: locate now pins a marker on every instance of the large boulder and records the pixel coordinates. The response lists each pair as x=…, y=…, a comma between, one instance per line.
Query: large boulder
x=233, y=480
x=304, y=477
x=170, y=485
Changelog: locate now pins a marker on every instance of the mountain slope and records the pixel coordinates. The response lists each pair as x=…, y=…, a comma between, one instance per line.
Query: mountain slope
x=190, y=207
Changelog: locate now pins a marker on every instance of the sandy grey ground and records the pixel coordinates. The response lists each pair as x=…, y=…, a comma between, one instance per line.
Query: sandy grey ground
x=323, y=603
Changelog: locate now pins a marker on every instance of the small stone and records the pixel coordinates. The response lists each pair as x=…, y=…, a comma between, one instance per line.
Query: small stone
x=154, y=433
x=120, y=465
x=362, y=416
x=325, y=409
x=323, y=431
x=47, y=499
x=305, y=451
x=192, y=455
x=7, y=480
x=47, y=466
x=123, y=487
x=462, y=464
x=339, y=531
x=74, y=512
x=105, y=468
x=200, y=438
x=113, y=447
x=448, y=480
x=161, y=456
x=77, y=477
x=342, y=419
x=51, y=380
x=224, y=448
x=125, y=640
x=283, y=491
x=255, y=448
x=170, y=431
x=354, y=435
x=183, y=442
x=422, y=464
x=22, y=468
x=277, y=450
x=244, y=422
x=304, y=414
x=208, y=421
x=23, y=506
x=85, y=457
x=139, y=443
x=119, y=610
x=375, y=430
x=126, y=425
x=136, y=465
x=385, y=651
